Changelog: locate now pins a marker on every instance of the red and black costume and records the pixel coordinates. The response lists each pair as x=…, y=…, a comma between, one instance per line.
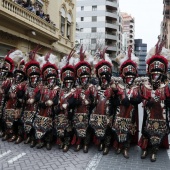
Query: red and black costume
x=14, y=106
x=101, y=117
x=32, y=97
x=86, y=98
x=156, y=95
x=6, y=73
x=43, y=122
x=64, y=113
x=125, y=124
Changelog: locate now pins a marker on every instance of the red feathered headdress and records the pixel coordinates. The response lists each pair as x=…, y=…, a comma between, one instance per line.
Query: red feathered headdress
x=82, y=68
x=157, y=62
x=68, y=71
x=128, y=67
x=103, y=66
x=49, y=69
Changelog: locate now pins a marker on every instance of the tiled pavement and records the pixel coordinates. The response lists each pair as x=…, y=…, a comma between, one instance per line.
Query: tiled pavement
x=22, y=157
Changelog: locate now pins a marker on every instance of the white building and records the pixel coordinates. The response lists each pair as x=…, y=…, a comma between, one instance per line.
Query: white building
x=98, y=22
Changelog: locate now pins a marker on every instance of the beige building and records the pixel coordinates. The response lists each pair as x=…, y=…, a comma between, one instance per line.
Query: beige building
x=165, y=31
x=128, y=23
x=23, y=29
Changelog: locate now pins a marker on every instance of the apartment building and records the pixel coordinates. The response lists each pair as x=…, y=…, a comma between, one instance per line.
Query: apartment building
x=140, y=51
x=23, y=29
x=128, y=24
x=165, y=27
x=98, y=22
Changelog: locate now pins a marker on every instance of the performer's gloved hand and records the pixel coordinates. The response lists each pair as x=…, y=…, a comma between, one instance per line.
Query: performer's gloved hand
x=136, y=100
x=115, y=101
x=58, y=110
x=125, y=102
x=167, y=102
x=150, y=103
x=72, y=102
x=78, y=102
x=42, y=105
x=20, y=93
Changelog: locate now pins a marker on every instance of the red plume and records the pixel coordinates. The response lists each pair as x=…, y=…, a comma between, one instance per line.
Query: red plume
x=34, y=51
x=48, y=55
x=159, y=46
x=82, y=53
x=129, y=52
x=102, y=53
x=70, y=55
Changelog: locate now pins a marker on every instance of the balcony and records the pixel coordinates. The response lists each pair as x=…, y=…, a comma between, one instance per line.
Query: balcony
x=21, y=22
x=112, y=25
x=112, y=37
x=112, y=3
x=111, y=14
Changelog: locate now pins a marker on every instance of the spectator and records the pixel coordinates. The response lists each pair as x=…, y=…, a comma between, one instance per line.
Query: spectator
x=41, y=13
x=47, y=18
x=37, y=9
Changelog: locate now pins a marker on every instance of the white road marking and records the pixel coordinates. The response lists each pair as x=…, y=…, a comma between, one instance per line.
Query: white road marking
x=16, y=158
x=5, y=153
x=92, y=165
x=168, y=153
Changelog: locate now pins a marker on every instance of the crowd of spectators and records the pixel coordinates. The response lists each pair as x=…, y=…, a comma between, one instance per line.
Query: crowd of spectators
x=35, y=8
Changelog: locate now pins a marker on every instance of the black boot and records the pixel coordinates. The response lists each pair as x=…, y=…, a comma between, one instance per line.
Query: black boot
x=85, y=149
x=40, y=144
x=28, y=140
x=32, y=144
x=48, y=146
x=106, y=151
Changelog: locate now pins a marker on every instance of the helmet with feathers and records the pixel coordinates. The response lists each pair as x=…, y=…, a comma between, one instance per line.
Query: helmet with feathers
x=128, y=63
x=50, y=68
x=103, y=67
x=68, y=71
x=157, y=59
x=83, y=68
x=32, y=67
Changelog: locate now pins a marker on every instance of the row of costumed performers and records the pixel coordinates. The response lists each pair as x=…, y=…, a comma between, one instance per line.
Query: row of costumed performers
x=77, y=101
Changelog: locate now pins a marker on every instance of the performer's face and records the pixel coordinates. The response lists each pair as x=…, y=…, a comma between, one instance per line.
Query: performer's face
x=104, y=82
x=19, y=77
x=84, y=81
x=34, y=80
x=68, y=85
x=51, y=81
x=129, y=80
x=155, y=77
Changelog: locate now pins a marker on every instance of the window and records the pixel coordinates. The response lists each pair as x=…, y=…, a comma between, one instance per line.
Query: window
x=81, y=29
x=94, y=8
x=62, y=26
x=69, y=26
x=82, y=8
x=93, y=29
x=93, y=41
x=94, y=18
x=81, y=41
x=82, y=18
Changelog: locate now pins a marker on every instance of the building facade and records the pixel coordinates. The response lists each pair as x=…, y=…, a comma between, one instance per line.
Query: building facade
x=98, y=22
x=128, y=24
x=165, y=27
x=140, y=51
x=22, y=29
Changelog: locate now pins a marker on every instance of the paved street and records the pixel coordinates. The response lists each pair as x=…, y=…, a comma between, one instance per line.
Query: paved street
x=17, y=157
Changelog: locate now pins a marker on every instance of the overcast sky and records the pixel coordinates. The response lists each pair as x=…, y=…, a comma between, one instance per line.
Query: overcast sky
x=148, y=17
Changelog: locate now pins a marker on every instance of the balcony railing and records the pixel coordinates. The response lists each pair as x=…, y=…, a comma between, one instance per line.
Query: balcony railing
x=18, y=11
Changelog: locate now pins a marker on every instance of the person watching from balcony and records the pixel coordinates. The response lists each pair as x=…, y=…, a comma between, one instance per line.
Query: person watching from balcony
x=47, y=18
